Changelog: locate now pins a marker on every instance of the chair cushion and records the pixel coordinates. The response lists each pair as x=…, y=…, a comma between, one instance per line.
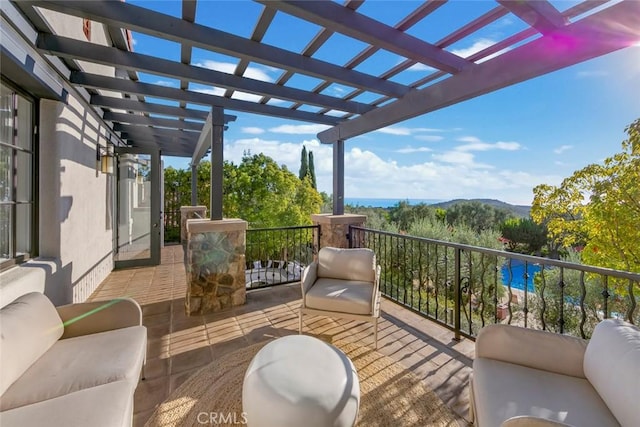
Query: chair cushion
x=612, y=366
x=79, y=363
x=343, y=296
x=503, y=390
x=30, y=326
x=347, y=264
x=109, y=405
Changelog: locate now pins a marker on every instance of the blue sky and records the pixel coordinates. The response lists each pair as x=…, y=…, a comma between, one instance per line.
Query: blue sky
x=500, y=145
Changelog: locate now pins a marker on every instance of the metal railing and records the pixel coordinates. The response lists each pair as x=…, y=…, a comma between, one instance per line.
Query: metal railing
x=276, y=256
x=464, y=287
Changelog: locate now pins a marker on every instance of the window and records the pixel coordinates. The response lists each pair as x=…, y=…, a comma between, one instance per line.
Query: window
x=16, y=176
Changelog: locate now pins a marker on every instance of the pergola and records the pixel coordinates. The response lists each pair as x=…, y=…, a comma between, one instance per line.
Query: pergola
x=552, y=39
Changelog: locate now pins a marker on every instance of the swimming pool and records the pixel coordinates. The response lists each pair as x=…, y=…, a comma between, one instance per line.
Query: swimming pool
x=517, y=275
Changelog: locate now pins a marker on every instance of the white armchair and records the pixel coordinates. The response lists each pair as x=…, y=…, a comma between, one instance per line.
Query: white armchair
x=342, y=283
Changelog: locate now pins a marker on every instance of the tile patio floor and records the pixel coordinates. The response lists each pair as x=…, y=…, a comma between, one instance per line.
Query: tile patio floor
x=178, y=345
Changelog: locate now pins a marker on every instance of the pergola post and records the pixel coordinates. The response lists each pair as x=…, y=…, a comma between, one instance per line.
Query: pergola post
x=194, y=184
x=217, y=162
x=338, y=177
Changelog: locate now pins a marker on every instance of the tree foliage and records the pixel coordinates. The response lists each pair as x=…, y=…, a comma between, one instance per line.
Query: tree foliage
x=524, y=235
x=304, y=163
x=312, y=171
x=598, y=206
x=404, y=215
x=477, y=216
x=257, y=190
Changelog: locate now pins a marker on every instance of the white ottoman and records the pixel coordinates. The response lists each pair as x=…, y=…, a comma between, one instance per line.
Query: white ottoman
x=300, y=381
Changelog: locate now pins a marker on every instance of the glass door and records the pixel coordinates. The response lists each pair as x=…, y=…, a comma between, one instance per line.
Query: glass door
x=138, y=207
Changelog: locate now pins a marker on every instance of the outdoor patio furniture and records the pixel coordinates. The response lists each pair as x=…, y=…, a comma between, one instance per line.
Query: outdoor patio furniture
x=525, y=377
x=74, y=365
x=300, y=381
x=342, y=283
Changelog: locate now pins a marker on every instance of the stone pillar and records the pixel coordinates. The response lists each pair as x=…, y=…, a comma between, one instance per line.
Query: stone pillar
x=215, y=264
x=190, y=212
x=334, y=228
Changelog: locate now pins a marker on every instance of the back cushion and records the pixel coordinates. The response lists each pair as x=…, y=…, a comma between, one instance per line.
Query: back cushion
x=347, y=264
x=29, y=326
x=612, y=366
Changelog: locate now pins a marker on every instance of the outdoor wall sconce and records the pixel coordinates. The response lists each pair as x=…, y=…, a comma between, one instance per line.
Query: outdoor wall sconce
x=104, y=160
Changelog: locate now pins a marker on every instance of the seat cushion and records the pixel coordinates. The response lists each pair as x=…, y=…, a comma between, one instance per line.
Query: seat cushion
x=79, y=363
x=347, y=264
x=618, y=383
x=503, y=390
x=108, y=405
x=30, y=327
x=343, y=296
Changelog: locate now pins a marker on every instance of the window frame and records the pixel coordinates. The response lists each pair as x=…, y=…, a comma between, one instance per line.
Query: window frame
x=33, y=152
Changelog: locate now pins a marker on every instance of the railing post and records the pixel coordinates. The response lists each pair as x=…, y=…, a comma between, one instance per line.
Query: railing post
x=350, y=236
x=457, y=291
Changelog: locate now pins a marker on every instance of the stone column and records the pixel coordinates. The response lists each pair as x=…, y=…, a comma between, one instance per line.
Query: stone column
x=190, y=212
x=215, y=264
x=335, y=228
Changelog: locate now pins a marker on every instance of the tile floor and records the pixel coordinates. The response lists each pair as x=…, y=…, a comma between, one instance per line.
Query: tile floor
x=178, y=345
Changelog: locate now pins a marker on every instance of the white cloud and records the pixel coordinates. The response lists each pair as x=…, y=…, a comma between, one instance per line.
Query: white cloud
x=420, y=67
x=165, y=83
x=562, y=149
x=478, y=46
x=470, y=139
x=485, y=146
x=251, y=130
x=448, y=175
x=429, y=138
x=409, y=150
x=257, y=73
x=299, y=129
x=404, y=131
x=461, y=158
x=243, y=96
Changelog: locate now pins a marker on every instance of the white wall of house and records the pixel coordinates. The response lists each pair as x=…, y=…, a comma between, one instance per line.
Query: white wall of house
x=76, y=202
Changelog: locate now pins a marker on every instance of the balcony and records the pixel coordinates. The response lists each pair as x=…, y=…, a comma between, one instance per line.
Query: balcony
x=179, y=345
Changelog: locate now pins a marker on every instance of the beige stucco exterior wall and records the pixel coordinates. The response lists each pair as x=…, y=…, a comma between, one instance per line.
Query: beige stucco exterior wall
x=75, y=203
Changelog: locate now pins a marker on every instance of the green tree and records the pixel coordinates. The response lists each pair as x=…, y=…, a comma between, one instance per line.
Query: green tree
x=265, y=194
x=404, y=215
x=304, y=164
x=312, y=171
x=476, y=215
x=599, y=206
x=524, y=235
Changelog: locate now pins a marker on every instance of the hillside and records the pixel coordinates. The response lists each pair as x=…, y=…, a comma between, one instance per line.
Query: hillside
x=517, y=210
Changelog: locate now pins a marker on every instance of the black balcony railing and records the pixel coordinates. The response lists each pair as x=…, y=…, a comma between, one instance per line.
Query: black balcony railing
x=277, y=256
x=465, y=288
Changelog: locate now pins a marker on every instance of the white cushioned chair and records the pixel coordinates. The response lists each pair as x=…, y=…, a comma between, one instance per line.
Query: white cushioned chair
x=342, y=283
x=530, y=378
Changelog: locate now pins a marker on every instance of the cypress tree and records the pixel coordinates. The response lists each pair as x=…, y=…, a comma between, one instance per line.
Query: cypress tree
x=304, y=165
x=312, y=170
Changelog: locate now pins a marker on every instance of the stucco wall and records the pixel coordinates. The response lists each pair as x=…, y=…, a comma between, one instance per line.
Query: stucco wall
x=75, y=203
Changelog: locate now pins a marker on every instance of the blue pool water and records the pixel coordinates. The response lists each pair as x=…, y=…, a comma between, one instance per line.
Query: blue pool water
x=517, y=275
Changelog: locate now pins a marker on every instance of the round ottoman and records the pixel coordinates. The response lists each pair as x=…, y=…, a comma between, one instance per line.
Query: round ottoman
x=300, y=381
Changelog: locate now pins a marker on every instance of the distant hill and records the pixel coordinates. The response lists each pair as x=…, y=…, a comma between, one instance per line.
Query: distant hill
x=517, y=210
